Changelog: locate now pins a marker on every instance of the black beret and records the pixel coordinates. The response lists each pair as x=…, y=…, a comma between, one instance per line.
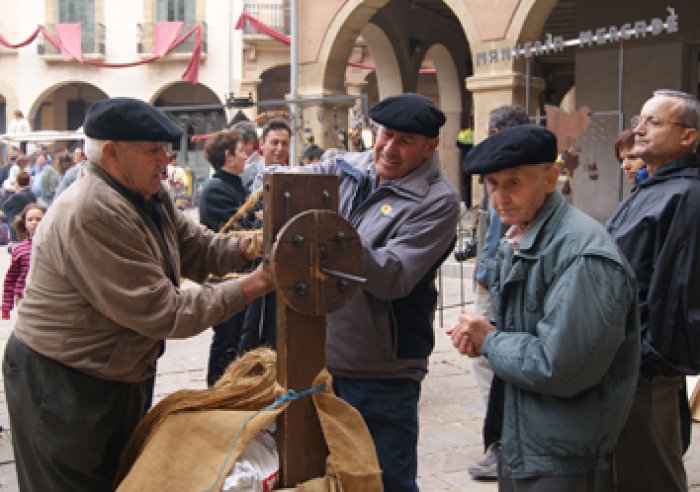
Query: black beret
x=127, y=119
x=410, y=113
x=511, y=147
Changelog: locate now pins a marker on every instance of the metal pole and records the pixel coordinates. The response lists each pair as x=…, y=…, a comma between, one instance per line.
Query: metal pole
x=528, y=76
x=620, y=108
x=293, y=74
x=230, y=53
x=365, y=106
x=275, y=102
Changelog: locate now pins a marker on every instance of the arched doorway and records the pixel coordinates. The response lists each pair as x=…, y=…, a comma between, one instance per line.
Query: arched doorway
x=63, y=106
x=443, y=84
x=386, y=65
x=274, y=85
x=398, y=35
x=198, y=111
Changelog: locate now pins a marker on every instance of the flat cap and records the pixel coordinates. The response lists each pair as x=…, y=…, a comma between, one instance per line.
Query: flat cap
x=511, y=147
x=410, y=113
x=127, y=119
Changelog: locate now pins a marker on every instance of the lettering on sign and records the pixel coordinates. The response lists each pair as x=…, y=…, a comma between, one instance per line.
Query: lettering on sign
x=592, y=37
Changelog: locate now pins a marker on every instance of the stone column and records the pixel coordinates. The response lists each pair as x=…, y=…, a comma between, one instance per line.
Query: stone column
x=356, y=116
x=449, y=152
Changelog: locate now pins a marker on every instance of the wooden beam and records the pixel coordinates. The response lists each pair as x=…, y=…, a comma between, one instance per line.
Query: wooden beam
x=300, y=338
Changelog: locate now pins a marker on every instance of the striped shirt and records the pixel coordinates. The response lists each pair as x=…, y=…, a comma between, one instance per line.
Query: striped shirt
x=17, y=274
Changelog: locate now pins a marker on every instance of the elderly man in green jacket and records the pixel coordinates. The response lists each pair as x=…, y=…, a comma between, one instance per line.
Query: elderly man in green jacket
x=564, y=345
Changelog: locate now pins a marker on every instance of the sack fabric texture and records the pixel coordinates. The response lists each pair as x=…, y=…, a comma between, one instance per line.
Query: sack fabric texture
x=191, y=439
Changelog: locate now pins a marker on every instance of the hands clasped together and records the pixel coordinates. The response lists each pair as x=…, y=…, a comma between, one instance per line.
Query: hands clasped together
x=469, y=333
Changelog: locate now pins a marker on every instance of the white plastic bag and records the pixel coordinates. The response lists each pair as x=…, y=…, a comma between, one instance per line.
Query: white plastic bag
x=257, y=467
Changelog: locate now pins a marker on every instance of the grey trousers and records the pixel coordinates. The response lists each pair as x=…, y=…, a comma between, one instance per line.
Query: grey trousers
x=649, y=453
x=591, y=481
x=580, y=482
x=68, y=428
x=480, y=365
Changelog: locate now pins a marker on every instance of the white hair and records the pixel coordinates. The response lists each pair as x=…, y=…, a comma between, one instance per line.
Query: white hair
x=93, y=149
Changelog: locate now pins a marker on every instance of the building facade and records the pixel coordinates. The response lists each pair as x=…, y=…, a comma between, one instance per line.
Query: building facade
x=470, y=56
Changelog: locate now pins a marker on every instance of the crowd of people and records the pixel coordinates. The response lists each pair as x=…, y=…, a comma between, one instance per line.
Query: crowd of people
x=581, y=335
x=30, y=184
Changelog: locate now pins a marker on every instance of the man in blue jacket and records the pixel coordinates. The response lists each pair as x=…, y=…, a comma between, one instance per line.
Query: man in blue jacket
x=564, y=349
x=657, y=229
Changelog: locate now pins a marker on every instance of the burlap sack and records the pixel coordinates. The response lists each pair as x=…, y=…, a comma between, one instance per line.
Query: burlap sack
x=194, y=451
x=352, y=458
x=189, y=443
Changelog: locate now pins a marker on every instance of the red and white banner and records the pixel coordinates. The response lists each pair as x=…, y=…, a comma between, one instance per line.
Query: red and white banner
x=68, y=41
x=283, y=38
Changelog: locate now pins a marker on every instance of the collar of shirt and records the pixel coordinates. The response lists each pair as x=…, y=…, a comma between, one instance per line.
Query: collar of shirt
x=514, y=235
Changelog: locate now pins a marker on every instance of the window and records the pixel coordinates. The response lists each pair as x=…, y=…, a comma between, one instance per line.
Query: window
x=80, y=11
x=179, y=10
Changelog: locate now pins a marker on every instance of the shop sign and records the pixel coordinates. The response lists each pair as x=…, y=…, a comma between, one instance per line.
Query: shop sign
x=592, y=37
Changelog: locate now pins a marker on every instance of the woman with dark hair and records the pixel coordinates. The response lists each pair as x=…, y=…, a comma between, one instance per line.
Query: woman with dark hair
x=223, y=193
x=221, y=196
x=16, y=276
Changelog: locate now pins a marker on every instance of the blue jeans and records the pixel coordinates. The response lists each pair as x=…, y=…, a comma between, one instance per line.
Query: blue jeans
x=223, y=347
x=390, y=410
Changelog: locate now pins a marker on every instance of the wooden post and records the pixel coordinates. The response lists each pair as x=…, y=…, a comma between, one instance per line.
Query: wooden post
x=300, y=338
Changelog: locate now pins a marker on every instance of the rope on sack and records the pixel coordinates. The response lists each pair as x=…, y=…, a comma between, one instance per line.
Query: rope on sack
x=290, y=395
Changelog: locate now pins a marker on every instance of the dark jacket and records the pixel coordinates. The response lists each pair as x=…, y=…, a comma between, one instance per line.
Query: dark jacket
x=658, y=231
x=16, y=203
x=221, y=196
x=407, y=227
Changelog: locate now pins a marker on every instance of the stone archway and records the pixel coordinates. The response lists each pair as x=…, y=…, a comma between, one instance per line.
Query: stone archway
x=181, y=92
x=386, y=65
x=504, y=81
x=450, y=101
x=397, y=47
x=201, y=113
x=274, y=83
x=63, y=106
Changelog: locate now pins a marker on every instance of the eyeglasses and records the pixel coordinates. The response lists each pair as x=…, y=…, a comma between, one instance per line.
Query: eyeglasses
x=148, y=148
x=653, y=122
x=152, y=148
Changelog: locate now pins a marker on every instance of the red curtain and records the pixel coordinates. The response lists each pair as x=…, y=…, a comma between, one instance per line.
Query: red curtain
x=263, y=28
x=164, y=35
x=70, y=39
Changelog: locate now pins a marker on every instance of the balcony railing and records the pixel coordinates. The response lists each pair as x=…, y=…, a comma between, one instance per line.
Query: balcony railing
x=275, y=15
x=93, y=41
x=146, y=32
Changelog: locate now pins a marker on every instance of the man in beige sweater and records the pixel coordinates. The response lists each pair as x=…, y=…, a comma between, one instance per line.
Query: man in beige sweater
x=102, y=295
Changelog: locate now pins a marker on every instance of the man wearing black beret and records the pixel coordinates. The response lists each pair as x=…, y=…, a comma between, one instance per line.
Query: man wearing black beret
x=564, y=344
x=405, y=212
x=102, y=295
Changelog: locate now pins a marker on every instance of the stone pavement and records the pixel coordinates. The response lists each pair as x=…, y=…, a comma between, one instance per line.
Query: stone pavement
x=450, y=419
